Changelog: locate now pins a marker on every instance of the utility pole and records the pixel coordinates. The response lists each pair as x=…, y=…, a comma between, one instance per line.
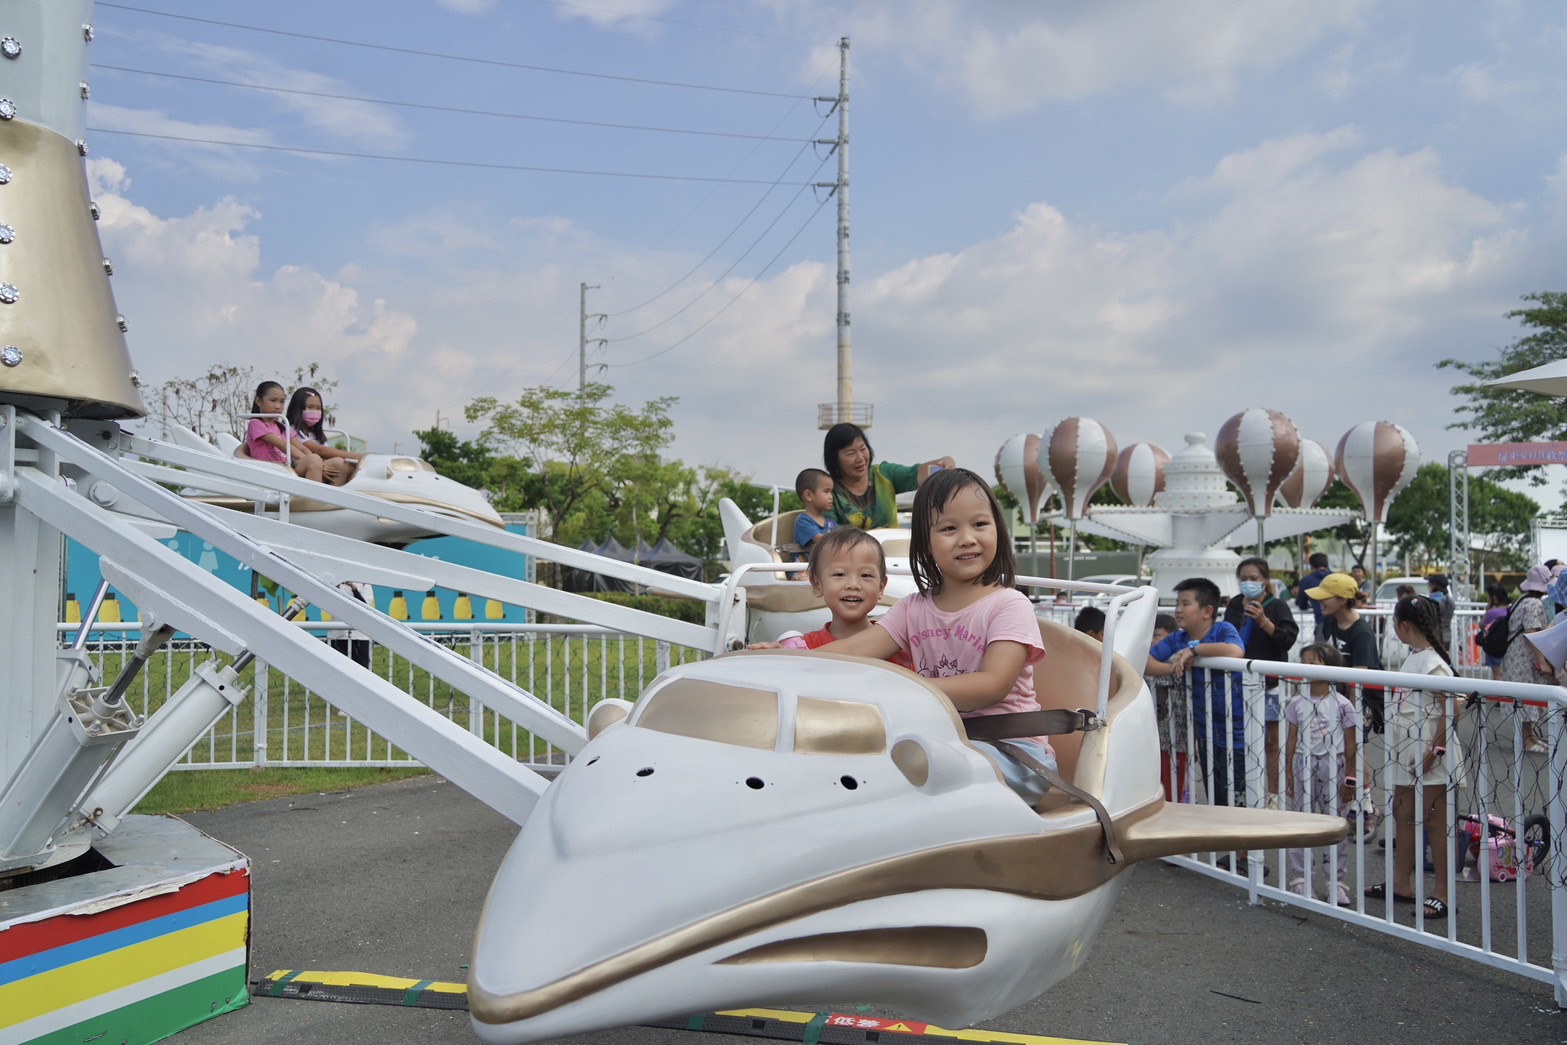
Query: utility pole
x=582, y=334
x=844, y=409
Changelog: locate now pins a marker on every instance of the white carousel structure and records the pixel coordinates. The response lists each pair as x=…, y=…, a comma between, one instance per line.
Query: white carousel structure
x=1186, y=506
x=943, y=893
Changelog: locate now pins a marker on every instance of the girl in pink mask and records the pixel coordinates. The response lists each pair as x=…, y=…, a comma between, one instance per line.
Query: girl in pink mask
x=305, y=415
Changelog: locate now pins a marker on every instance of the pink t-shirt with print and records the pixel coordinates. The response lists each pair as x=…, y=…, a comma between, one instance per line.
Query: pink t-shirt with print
x=944, y=644
x=259, y=449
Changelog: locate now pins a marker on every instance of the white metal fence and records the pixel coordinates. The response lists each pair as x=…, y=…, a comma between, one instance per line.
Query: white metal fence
x=1518, y=925
x=1501, y=911
x=283, y=724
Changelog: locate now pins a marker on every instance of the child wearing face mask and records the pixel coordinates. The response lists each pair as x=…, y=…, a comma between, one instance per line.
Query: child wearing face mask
x=305, y=415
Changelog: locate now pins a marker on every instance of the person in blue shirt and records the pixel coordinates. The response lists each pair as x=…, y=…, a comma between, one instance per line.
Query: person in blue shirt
x=1199, y=633
x=1319, y=570
x=814, y=488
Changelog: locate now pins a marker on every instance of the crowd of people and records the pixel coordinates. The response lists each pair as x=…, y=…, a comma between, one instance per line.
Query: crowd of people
x=974, y=635
x=1322, y=725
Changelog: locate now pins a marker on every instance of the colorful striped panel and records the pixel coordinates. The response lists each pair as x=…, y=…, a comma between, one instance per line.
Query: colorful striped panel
x=171, y=960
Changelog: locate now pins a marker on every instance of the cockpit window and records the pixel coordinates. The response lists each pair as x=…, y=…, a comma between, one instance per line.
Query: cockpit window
x=714, y=711
x=838, y=727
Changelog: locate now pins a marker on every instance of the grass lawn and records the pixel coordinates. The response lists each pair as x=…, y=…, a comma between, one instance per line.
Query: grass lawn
x=194, y=790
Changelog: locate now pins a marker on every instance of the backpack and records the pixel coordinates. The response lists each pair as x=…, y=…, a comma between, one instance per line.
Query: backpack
x=1496, y=638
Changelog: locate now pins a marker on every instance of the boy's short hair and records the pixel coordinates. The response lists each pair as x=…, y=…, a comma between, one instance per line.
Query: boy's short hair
x=1164, y=622
x=1318, y=560
x=1204, y=591
x=808, y=479
x=1090, y=620
x=836, y=542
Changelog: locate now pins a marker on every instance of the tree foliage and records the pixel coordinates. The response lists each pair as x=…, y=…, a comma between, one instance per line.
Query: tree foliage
x=1499, y=520
x=1510, y=415
x=571, y=441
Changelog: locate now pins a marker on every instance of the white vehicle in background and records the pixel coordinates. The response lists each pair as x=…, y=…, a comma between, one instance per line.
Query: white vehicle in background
x=1387, y=591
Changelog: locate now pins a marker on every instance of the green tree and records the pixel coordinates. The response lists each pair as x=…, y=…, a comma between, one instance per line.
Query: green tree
x=1499, y=525
x=1355, y=533
x=1499, y=520
x=1417, y=520
x=571, y=440
x=468, y=462
x=1510, y=415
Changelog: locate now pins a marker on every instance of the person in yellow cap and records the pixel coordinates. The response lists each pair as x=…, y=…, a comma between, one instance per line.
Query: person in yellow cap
x=1345, y=630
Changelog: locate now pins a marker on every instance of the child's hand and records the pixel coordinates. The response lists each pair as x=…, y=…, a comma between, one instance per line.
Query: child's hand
x=764, y=645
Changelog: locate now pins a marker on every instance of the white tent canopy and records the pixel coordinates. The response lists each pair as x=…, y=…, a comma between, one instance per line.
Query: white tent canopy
x=1547, y=380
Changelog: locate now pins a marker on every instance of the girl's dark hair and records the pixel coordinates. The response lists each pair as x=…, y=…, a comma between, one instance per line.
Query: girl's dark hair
x=261, y=390
x=932, y=497
x=1327, y=656
x=838, y=541
x=840, y=437
x=1498, y=595
x=1427, y=619
x=1257, y=561
x=295, y=414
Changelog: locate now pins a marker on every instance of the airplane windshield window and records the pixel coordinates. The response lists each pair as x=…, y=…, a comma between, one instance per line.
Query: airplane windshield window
x=714, y=711
x=838, y=727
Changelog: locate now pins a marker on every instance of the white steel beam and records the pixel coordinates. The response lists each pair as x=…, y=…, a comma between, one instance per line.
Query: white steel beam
x=482, y=685
x=334, y=557
x=210, y=464
x=489, y=775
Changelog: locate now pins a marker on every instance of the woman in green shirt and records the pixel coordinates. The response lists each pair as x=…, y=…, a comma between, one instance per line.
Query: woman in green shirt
x=865, y=494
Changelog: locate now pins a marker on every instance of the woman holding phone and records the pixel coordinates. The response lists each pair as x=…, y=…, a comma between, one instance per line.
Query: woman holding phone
x=1268, y=632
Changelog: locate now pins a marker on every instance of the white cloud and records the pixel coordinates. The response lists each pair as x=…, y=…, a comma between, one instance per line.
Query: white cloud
x=1011, y=58
x=468, y=7
x=193, y=142
x=194, y=293
x=301, y=95
x=631, y=15
x=1481, y=83
x=1308, y=273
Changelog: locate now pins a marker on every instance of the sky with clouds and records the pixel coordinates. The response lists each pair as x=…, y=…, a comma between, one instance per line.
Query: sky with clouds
x=1151, y=214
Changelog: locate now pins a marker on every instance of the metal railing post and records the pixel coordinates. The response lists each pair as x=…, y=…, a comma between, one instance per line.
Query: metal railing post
x=259, y=706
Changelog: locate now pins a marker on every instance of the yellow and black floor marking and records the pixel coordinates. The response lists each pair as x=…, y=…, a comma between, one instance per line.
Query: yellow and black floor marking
x=808, y=1028
x=363, y=988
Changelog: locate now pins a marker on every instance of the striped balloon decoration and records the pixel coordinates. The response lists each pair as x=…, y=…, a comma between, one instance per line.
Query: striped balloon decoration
x=1256, y=449
x=1077, y=459
x=1017, y=468
x=1139, y=473
x=1310, y=478
x=1377, y=459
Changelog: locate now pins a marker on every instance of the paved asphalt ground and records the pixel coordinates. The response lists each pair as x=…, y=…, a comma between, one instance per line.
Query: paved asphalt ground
x=390, y=879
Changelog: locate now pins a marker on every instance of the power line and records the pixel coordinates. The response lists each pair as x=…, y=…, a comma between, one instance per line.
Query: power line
x=439, y=163
x=446, y=108
x=732, y=265
x=339, y=41
x=727, y=237
x=738, y=295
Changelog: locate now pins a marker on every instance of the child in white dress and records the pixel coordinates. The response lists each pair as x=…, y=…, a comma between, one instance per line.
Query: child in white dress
x=1318, y=746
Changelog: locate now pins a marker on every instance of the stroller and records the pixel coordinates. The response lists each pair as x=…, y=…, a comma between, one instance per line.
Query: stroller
x=1497, y=849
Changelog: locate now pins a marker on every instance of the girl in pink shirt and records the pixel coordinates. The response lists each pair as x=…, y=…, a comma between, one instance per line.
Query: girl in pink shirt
x=968, y=630
x=264, y=436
